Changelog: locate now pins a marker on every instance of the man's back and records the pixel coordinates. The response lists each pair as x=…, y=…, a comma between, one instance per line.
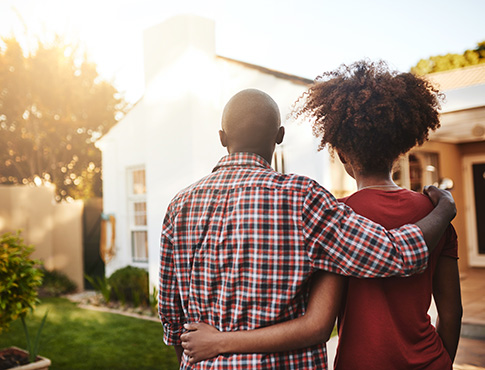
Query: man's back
x=239, y=257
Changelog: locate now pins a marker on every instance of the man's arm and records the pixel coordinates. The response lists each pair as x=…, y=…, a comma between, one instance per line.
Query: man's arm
x=343, y=242
x=435, y=223
x=169, y=306
x=203, y=341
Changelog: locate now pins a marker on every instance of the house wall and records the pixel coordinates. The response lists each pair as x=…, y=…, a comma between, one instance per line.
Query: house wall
x=54, y=229
x=124, y=147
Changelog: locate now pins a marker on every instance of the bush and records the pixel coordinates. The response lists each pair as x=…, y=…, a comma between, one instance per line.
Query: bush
x=19, y=278
x=100, y=284
x=55, y=284
x=130, y=284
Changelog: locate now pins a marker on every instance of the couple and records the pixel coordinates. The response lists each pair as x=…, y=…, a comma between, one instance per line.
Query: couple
x=256, y=265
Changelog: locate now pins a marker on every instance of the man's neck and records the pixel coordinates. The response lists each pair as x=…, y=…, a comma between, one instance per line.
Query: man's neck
x=378, y=180
x=266, y=154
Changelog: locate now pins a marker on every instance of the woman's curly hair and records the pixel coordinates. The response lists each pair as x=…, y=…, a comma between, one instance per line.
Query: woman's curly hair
x=370, y=114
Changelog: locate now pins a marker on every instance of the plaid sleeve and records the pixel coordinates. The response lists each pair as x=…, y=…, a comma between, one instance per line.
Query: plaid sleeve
x=169, y=307
x=341, y=241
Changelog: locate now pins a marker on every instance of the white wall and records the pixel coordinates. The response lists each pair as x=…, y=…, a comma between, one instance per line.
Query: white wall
x=123, y=147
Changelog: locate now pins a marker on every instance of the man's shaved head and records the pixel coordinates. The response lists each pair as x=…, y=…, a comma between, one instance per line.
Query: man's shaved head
x=251, y=123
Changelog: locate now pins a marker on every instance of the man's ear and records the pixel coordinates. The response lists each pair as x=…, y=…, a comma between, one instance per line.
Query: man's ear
x=280, y=135
x=223, y=138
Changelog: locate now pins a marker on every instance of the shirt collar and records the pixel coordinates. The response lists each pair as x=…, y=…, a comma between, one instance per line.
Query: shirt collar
x=242, y=159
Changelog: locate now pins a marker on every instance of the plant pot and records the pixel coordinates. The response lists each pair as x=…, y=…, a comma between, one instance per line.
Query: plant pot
x=41, y=363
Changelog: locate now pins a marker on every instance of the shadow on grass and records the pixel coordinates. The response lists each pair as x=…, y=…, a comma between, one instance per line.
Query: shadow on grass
x=75, y=338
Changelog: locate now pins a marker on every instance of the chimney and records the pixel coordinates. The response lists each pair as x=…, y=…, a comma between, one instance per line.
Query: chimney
x=165, y=42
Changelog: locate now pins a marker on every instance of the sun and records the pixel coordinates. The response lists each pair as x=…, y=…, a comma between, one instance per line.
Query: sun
x=111, y=41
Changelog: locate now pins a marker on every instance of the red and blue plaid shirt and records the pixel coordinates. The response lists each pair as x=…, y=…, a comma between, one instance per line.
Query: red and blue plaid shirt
x=239, y=246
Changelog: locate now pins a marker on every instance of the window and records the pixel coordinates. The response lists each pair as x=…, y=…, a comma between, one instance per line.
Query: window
x=416, y=170
x=137, y=213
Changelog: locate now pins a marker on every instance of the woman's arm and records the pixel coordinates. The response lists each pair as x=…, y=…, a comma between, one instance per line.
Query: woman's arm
x=202, y=341
x=179, y=352
x=447, y=296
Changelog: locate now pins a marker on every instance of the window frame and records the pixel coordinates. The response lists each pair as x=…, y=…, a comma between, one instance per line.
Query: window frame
x=136, y=197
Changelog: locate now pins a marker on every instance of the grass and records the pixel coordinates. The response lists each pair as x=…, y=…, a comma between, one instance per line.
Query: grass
x=75, y=339
x=79, y=339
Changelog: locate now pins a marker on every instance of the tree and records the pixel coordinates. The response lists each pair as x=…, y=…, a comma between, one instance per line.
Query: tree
x=53, y=108
x=447, y=62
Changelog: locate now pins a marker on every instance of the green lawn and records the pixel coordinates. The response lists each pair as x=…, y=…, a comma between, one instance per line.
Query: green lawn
x=75, y=338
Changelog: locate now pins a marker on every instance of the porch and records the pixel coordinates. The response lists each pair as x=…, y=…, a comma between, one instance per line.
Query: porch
x=471, y=350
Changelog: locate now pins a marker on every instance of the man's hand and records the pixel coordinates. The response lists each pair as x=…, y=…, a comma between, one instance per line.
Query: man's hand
x=200, y=342
x=436, y=222
x=443, y=198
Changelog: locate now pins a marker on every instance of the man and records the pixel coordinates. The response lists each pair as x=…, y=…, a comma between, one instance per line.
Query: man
x=238, y=246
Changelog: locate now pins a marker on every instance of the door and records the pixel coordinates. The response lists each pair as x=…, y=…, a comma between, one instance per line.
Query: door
x=93, y=264
x=475, y=205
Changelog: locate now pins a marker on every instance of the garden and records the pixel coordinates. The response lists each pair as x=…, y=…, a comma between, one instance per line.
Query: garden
x=76, y=338
x=67, y=335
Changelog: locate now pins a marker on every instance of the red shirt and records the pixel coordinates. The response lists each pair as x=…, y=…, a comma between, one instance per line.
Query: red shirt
x=384, y=322
x=239, y=246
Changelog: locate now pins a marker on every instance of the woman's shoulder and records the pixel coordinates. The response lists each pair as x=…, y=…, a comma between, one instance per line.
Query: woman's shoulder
x=394, y=195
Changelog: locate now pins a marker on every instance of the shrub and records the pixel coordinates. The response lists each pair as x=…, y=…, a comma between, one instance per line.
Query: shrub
x=55, y=284
x=130, y=284
x=19, y=278
x=154, y=301
x=100, y=284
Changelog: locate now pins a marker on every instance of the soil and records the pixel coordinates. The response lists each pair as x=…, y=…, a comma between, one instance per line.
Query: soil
x=94, y=300
x=9, y=359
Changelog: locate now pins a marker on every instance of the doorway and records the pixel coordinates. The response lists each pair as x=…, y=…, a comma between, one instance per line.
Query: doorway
x=474, y=167
x=93, y=264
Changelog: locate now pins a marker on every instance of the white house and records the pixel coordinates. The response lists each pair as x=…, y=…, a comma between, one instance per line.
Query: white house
x=170, y=138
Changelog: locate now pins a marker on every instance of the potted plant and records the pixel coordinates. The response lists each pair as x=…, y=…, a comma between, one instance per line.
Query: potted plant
x=20, y=277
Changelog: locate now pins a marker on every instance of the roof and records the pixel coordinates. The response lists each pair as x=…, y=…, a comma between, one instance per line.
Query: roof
x=463, y=110
x=458, y=78
x=285, y=76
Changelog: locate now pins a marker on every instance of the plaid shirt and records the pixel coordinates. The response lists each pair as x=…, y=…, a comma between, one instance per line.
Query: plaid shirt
x=238, y=249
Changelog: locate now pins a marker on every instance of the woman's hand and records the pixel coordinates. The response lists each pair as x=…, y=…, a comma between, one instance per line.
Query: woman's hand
x=201, y=342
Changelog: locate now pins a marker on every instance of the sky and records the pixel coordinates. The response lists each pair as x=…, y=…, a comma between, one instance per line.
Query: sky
x=299, y=37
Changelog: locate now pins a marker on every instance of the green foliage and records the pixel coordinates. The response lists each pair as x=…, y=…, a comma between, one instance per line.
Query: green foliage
x=130, y=284
x=77, y=338
x=154, y=301
x=101, y=284
x=56, y=283
x=53, y=108
x=119, y=294
x=19, y=278
x=447, y=62
x=33, y=345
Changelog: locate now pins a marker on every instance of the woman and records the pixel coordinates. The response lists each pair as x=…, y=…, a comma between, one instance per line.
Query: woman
x=369, y=116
